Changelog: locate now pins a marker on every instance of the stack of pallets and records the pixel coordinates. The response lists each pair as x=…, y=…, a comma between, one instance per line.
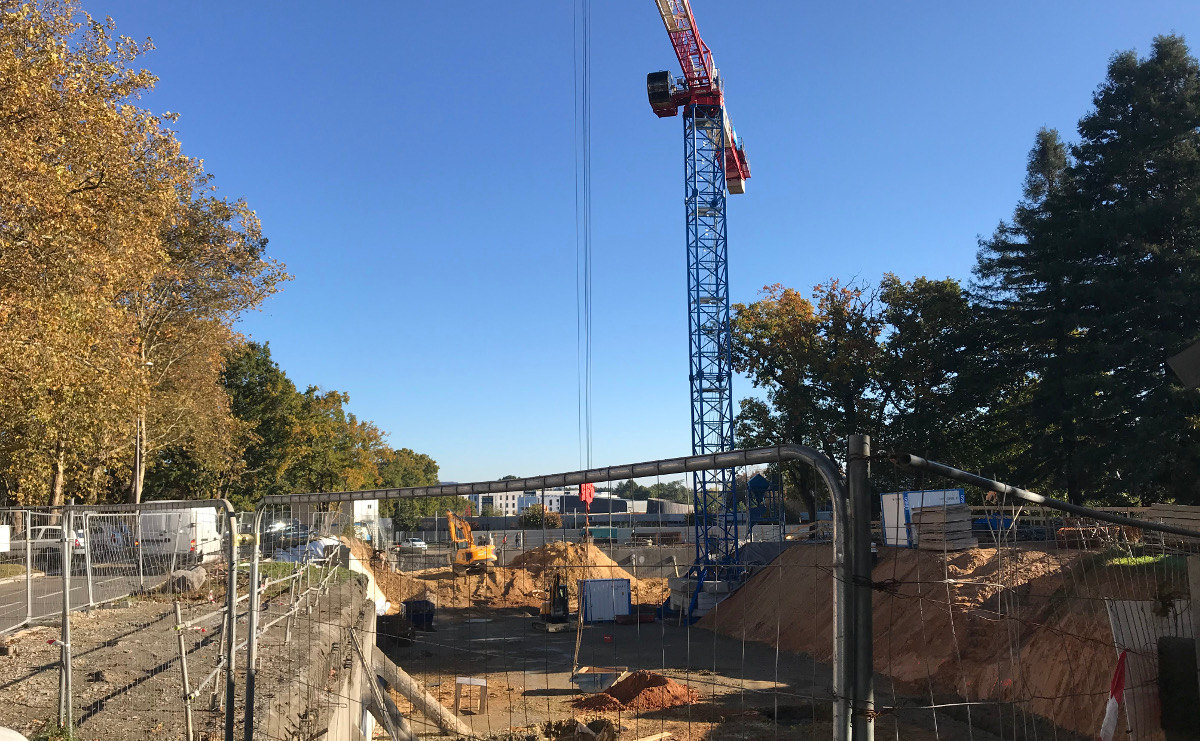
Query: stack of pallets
x=943, y=528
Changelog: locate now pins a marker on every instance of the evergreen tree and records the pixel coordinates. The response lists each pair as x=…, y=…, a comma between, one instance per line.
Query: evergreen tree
x=1095, y=282
x=1137, y=169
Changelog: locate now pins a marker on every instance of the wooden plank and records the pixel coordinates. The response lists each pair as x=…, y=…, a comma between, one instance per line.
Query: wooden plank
x=928, y=519
x=1175, y=508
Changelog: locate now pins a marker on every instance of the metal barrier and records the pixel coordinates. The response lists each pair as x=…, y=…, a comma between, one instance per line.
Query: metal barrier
x=342, y=695
x=64, y=563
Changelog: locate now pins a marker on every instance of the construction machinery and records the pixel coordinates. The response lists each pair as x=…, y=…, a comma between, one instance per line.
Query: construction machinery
x=715, y=164
x=555, y=614
x=469, y=558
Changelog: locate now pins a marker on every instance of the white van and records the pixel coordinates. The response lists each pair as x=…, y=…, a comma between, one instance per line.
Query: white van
x=190, y=535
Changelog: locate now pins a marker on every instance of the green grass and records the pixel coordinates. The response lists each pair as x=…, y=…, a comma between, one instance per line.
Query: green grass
x=1130, y=560
x=11, y=569
x=51, y=732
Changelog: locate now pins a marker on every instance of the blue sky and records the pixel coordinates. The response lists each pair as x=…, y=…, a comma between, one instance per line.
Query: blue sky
x=412, y=165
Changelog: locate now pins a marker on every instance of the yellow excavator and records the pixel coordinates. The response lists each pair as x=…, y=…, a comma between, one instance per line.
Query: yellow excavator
x=468, y=557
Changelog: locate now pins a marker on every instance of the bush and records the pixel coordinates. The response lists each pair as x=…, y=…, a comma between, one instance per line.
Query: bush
x=535, y=517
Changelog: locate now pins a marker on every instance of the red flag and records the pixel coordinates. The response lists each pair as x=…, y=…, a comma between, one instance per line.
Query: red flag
x=587, y=492
x=1108, y=727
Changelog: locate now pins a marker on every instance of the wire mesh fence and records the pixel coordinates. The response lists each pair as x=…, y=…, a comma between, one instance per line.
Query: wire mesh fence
x=526, y=644
x=1011, y=621
x=1002, y=621
x=105, y=611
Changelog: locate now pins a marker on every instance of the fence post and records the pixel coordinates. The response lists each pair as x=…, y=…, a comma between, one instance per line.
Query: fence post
x=230, y=631
x=858, y=465
x=843, y=651
x=65, y=713
x=287, y=635
x=87, y=557
x=141, y=569
x=187, y=687
x=252, y=633
x=28, y=571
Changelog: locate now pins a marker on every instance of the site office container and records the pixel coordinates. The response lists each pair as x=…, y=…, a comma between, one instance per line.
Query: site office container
x=190, y=535
x=602, y=600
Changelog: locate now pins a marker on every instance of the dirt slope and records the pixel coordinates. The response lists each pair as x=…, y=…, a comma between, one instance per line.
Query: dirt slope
x=1044, y=636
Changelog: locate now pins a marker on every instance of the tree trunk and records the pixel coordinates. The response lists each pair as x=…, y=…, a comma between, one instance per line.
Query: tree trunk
x=139, y=454
x=803, y=476
x=58, y=478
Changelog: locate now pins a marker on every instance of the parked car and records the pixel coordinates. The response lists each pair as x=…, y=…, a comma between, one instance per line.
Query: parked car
x=110, y=541
x=46, y=547
x=412, y=545
x=289, y=536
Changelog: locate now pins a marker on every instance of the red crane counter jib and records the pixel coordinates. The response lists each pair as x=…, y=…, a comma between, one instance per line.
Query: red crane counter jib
x=700, y=85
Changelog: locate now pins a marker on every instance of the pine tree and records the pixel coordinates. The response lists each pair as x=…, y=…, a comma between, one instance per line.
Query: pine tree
x=1137, y=169
x=1095, y=282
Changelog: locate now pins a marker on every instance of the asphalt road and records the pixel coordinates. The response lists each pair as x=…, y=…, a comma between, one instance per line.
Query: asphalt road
x=108, y=582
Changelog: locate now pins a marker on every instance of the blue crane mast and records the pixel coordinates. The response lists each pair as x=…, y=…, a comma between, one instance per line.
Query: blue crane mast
x=715, y=165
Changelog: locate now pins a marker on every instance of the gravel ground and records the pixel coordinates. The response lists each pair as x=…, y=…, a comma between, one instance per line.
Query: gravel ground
x=126, y=674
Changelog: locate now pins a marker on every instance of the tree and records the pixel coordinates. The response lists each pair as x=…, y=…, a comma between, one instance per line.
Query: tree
x=631, y=490
x=87, y=181
x=268, y=408
x=1096, y=281
x=1029, y=283
x=891, y=362
x=536, y=517
x=673, y=491
x=817, y=362
x=215, y=270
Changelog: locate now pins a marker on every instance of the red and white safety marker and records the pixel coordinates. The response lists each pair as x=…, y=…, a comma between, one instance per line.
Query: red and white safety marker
x=1109, y=726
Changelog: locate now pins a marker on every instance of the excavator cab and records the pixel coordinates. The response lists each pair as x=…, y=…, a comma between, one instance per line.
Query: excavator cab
x=555, y=611
x=468, y=557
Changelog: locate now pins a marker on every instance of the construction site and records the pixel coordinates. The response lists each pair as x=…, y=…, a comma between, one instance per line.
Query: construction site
x=938, y=511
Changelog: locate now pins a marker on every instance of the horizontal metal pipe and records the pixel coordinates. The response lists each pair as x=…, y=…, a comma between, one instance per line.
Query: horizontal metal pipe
x=128, y=509
x=665, y=467
x=941, y=469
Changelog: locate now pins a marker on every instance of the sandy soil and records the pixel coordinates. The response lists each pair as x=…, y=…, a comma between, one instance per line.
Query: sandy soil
x=524, y=583
x=1018, y=624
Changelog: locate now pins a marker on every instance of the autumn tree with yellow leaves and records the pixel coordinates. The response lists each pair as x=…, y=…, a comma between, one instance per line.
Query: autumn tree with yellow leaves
x=121, y=274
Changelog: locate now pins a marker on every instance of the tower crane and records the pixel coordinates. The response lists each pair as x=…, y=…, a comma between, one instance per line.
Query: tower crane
x=715, y=165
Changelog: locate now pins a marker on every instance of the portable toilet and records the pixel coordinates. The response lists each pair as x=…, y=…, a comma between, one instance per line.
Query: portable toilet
x=602, y=600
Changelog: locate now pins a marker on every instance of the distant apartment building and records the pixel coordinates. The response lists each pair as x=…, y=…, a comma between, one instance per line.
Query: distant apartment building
x=558, y=499
x=516, y=502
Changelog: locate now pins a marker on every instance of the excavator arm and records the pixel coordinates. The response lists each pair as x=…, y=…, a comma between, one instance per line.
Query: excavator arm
x=460, y=530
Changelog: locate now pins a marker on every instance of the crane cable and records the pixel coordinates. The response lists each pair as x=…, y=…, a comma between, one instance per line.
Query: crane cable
x=582, y=141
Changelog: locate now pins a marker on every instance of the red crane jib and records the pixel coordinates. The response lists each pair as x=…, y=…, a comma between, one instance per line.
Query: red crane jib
x=701, y=84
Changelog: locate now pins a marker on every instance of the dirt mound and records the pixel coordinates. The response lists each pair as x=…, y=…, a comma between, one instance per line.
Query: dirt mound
x=575, y=561
x=641, y=690
x=510, y=586
x=499, y=587
x=599, y=702
x=972, y=622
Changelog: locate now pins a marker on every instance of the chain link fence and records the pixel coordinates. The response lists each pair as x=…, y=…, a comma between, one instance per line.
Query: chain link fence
x=113, y=621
